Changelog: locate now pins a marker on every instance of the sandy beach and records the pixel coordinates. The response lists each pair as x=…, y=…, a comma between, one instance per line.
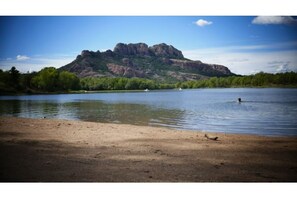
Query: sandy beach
x=47, y=150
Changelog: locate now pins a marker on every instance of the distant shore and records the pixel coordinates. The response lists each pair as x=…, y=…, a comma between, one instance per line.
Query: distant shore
x=59, y=150
x=67, y=92
x=33, y=92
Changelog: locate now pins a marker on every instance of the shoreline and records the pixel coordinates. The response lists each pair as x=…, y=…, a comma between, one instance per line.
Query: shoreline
x=77, y=151
x=165, y=127
x=3, y=93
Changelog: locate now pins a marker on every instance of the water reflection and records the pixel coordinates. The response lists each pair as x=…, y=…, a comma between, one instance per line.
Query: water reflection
x=138, y=114
x=27, y=108
x=262, y=111
x=96, y=111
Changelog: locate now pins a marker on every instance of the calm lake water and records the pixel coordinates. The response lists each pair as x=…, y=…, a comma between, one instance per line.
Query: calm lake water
x=263, y=111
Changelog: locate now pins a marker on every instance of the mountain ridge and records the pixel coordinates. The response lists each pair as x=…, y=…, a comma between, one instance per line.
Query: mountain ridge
x=159, y=62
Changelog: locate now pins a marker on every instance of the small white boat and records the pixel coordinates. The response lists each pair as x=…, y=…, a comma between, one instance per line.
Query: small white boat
x=146, y=90
x=180, y=89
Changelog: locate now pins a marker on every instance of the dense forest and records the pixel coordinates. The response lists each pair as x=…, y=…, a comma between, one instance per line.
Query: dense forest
x=121, y=83
x=50, y=80
x=261, y=79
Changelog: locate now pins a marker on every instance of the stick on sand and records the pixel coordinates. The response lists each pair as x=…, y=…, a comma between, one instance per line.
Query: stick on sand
x=211, y=138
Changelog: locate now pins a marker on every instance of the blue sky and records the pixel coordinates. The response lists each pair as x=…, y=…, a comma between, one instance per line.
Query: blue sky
x=245, y=44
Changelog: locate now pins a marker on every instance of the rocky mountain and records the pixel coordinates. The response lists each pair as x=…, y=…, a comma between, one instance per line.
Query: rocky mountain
x=160, y=62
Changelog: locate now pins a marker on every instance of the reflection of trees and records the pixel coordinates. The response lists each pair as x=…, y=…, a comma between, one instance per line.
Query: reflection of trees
x=126, y=113
x=29, y=108
x=11, y=107
x=95, y=111
x=48, y=109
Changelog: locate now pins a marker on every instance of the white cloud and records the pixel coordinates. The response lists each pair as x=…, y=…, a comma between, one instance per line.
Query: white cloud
x=247, y=62
x=282, y=68
x=22, y=57
x=274, y=20
x=202, y=22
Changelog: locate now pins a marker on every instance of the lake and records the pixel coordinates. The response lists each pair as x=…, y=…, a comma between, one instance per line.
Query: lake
x=270, y=111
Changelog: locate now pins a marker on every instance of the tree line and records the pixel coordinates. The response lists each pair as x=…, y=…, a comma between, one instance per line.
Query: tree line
x=121, y=83
x=50, y=79
x=261, y=79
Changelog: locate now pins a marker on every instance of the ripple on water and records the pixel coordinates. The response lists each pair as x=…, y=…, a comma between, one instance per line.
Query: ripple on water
x=263, y=111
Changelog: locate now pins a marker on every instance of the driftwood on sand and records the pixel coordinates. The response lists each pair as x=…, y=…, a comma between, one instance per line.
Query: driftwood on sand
x=211, y=138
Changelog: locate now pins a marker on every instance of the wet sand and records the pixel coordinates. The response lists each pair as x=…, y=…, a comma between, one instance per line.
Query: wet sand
x=48, y=150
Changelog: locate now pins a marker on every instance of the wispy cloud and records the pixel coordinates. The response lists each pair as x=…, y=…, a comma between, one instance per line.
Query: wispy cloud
x=248, y=61
x=274, y=20
x=202, y=22
x=254, y=48
x=22, y=57
x=276, y=62
x=283, y=68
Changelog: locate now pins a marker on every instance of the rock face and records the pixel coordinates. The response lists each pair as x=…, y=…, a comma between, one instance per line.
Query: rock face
x=160, y=62
x=198, y=66
x=124, y=71
x=164, y=50
x=142, y=49
x=132, y=49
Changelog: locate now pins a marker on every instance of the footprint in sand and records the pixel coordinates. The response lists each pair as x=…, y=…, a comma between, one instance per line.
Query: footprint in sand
x=98, y=155
x=217, y=166
x=160, y=152
x=156, y=151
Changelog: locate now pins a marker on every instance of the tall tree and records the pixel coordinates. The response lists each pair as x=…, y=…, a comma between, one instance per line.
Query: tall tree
x=14, y=77
x=47, y=79
x=67, y=81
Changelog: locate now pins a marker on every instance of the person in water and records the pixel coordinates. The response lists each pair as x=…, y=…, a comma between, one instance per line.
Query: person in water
x=239, y=99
